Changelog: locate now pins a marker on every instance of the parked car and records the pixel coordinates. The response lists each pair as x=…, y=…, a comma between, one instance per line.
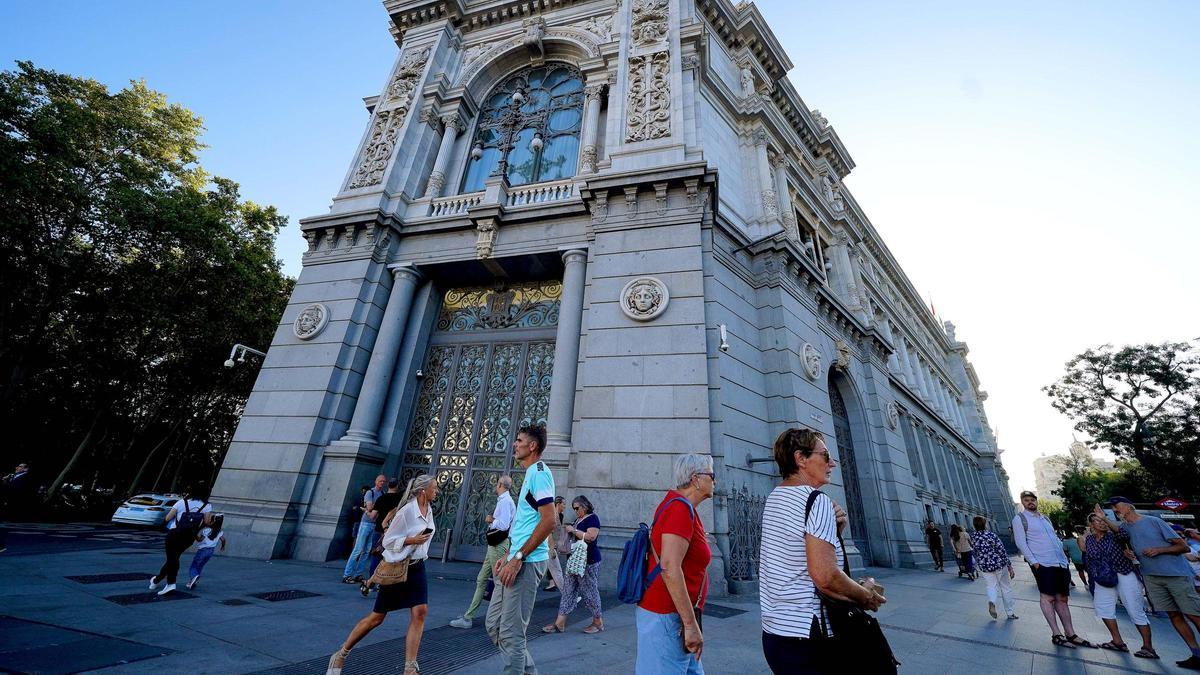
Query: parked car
x=147, y=508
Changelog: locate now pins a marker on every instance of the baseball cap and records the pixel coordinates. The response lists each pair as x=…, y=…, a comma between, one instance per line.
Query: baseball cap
x=1028, y=493
x=1119, y=500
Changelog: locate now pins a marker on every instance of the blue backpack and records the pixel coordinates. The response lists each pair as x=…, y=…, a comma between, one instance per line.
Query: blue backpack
x=632, y=580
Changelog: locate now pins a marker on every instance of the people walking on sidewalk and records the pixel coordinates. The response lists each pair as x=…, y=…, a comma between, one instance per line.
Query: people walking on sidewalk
x=802, y=554
x=960, y=541
x=499, y=523
x=1113, y=576
x=587, y=585
x=669, y=636
x=520, y=572
x=1167, y=575
x=994, y=566
x=379, y=512
x=405, y=543
x=560, y=545
x=933, y=537
x=358, y=565
x=1039, y=543
x=183, y=521
x=208, y=539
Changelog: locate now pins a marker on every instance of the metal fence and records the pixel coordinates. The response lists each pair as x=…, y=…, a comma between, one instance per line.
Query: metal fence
x=745, y=533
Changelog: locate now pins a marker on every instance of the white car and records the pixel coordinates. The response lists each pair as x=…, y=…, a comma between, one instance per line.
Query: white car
x=148, y=508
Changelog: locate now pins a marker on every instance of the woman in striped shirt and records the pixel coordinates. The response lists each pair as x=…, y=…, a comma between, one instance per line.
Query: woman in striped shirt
x=801, y=554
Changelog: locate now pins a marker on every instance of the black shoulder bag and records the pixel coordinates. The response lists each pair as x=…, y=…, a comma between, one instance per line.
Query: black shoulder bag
x=857, y=639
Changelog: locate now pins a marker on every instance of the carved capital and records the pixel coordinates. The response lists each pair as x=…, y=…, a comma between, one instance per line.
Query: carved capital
x=588, y=163
x=593, y=92
x=760, y=137
x=453, y=121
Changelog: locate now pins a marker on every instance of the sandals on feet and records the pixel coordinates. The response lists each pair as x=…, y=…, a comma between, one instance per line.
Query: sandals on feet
x=1146, y=653
x=1060, y=641
x=1115, y=646
x=552, y=628
x=1079, y=642
x=594, y=628
x=337, y=662
x=411, y=666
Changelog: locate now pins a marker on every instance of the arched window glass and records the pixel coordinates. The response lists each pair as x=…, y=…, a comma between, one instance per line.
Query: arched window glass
x=528, y=128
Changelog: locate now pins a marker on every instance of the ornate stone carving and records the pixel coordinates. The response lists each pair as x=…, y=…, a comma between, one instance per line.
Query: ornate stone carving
x=311, y=237
x=485, y=239
x=832, y=192
x=649, y=102
x=311, y=321
x=588, y=162
x=644, y=298
x=374, y=161
x=474, y=52
x=601, y=27
x=428, y=116
x=406, y=77
x=949, y=326
x=631, y=201
x=811, y=357
x=437, y=180
x=770, y=204
x=843, y=355
x=593, y=92
x=892, y=411
x=822, y=123
x=690, y=62
x=692, y=185
x=599, y=206
x=649, y=23
x=535, y=29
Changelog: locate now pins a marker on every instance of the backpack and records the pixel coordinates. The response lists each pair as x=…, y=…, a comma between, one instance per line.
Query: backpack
x=632, y=579
x=190, y=520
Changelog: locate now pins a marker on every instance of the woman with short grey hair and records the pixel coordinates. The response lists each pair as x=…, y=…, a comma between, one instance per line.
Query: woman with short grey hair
x=668, y=616
x=587, y=585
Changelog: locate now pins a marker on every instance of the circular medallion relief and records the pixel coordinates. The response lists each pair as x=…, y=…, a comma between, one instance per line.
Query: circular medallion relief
x=893, y=415
x=812, y=361
x=644, y=298
x=311, y=321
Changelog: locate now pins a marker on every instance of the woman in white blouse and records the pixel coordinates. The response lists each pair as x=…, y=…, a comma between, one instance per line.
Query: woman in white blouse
x=407, y=535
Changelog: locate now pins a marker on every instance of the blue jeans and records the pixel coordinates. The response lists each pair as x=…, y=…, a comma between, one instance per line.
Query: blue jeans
x=360, y=558
x=203, y=555
x=660, y=646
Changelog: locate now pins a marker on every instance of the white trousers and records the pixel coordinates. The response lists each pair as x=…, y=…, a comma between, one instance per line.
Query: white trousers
x=1130, y=591
x=999, y=583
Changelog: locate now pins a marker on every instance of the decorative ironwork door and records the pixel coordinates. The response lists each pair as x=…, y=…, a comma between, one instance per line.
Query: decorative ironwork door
x=845, y=447
x=487, y=374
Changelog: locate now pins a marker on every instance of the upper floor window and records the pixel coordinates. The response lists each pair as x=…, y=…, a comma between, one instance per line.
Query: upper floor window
x=528, y=128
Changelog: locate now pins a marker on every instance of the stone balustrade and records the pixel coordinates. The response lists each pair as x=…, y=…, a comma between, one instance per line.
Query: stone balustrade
x=540, y=193
x=454, y=206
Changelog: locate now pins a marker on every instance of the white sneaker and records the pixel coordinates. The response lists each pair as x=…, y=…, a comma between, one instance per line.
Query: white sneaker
x=154, y=582
x=167, y=589
x=462, y=622
x=192, y=584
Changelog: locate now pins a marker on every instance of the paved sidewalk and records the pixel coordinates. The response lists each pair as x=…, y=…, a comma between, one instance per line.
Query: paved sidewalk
x=52, y=623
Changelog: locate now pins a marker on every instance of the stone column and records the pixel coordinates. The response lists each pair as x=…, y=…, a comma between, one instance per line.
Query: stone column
x=785, y=198
x=451, y=125
x=893, y=360
x=364, y=425
x=591, y=127
x=906, y=363
x=566, y=357
x=770, y=201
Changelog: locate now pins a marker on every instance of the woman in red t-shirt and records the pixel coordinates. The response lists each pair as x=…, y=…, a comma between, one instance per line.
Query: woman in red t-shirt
x=668, y=617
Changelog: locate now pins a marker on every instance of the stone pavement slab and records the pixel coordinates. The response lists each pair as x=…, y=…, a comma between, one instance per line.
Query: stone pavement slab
x=936, y=623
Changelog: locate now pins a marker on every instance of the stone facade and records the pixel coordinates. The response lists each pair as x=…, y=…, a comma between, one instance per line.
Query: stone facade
x=621, y=220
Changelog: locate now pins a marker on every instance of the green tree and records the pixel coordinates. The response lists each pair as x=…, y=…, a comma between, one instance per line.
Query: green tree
x=1140, y=402
x=128, y=274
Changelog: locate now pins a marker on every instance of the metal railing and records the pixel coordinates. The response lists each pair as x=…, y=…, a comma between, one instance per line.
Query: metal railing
x=745, y=532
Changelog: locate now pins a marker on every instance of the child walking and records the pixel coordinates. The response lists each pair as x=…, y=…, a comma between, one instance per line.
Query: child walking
x=207, y=539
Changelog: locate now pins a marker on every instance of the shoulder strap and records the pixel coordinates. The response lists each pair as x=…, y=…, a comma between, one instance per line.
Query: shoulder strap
x=657, y=567
x=1024, y=522
x=812, y=498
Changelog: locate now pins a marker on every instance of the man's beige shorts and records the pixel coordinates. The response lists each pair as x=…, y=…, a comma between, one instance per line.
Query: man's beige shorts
x=1172, y=594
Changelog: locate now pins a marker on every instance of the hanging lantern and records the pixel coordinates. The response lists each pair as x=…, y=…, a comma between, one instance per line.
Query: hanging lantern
x=477, y=151
x=536, y=144
x=518, y=97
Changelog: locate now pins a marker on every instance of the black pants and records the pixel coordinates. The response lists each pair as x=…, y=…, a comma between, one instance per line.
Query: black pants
x=792, y=655
x=936, y=552
x=178, y=541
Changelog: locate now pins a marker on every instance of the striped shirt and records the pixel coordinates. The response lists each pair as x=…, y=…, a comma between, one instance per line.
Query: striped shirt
x=787, y=597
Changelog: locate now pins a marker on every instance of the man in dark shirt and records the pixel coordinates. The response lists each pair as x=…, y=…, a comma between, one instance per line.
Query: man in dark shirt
x=933, y=536
x=382, y=507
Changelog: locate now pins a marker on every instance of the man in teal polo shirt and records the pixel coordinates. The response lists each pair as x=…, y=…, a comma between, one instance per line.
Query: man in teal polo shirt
x=519, y=574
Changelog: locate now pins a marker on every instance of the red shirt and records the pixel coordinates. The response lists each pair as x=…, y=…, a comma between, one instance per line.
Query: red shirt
x=677, y=519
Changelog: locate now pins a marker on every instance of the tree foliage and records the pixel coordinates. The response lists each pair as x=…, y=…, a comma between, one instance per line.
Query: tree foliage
x=128, y=275
x=1140, y=402
x=1083, y=486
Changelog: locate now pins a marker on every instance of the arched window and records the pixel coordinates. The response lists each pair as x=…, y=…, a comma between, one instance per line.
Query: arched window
x=528, y=128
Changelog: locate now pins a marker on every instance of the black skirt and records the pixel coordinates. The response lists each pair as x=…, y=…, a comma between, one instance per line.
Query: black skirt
x=410, y=593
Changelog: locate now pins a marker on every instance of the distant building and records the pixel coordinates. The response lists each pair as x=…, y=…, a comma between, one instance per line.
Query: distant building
x=1048, y=471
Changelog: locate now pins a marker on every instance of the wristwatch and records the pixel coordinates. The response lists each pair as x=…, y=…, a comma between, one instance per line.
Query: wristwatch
x=519, y=556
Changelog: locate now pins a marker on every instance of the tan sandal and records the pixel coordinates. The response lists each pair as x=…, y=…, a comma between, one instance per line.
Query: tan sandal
x=552, y=628
x=594, y=628
x=411, y=665
x=337, y=662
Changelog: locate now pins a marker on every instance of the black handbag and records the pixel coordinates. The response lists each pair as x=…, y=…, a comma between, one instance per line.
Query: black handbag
x=496, y=537
x=850, y=636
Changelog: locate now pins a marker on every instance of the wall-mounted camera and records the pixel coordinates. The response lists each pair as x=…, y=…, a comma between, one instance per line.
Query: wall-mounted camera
x=724, y=338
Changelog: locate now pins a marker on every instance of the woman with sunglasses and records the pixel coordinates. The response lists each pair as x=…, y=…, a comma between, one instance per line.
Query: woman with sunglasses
x=586, y=529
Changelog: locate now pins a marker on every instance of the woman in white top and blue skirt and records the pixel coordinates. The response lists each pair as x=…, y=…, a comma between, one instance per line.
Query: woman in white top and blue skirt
x=801, y=554
x=406, y=536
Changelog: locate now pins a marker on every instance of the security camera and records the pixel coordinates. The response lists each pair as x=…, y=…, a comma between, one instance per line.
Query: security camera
x=228, y=363
x=420, y=374
x=724, y=346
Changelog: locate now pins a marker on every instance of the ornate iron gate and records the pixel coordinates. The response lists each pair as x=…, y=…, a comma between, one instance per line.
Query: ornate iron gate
x=845, y=447
x=487, y=374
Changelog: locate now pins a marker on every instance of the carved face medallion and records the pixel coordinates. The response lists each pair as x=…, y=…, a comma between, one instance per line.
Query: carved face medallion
x=644, y=298
x=812, y=361
x=311, y=321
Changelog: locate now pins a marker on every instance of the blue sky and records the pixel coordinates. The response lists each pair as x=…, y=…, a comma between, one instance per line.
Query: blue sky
x=1030, y=164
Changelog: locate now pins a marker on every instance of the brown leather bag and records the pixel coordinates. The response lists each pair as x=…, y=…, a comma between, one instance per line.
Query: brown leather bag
x=388, y=573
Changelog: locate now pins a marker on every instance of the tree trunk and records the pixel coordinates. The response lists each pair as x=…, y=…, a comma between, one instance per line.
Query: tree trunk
x=83, y=445
x=146, y=462
x=183, y=457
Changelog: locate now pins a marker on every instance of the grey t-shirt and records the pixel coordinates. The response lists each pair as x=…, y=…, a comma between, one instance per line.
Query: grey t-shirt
x=1151, y=532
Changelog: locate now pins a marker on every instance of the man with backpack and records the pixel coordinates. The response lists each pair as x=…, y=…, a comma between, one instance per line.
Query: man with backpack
x=1039, y=543
x=183, y=522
